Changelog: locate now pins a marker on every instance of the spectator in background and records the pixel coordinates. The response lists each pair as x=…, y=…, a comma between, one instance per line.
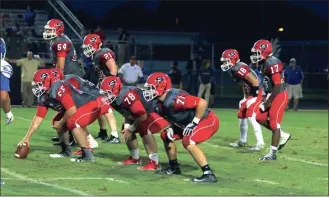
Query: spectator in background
x=130, y=73
x=294, y=79
x=100, y=32
x=193, y=68
x=29, y=16
x=176, y=76
x=205, y=78
x=28, y=66
x=122, y=45
x=145, y=74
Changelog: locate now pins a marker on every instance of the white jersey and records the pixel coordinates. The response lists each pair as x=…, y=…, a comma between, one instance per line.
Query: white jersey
x=6, y=68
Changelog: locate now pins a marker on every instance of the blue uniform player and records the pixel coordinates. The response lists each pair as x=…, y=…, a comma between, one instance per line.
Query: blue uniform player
x=6, y=72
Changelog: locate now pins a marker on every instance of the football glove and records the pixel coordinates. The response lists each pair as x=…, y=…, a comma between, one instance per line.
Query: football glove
x=190, y=127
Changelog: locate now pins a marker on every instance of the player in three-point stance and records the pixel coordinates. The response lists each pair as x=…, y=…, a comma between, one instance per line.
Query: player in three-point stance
x=272, y=110
x=194, y=122
x=6, y=72
x=139, y=117
x=249, y=105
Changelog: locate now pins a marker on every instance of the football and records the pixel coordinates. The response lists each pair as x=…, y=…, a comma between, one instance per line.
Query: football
x=22, y=151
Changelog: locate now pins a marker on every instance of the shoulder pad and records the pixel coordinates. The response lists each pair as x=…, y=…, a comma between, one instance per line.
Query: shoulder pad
x=123, y=92
x=271, y=61
x=53, y=89
x=171, y=96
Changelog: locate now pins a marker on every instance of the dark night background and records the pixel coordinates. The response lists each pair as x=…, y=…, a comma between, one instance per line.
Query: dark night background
x=220, y=20
x=229, y=24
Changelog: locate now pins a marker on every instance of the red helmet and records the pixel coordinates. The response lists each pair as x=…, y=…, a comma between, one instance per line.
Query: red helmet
x=229, y=58
x=261, y=50
x=42, y=81
x=91, y=43
x=53, y=28
x=156, y=85
x=111, y=87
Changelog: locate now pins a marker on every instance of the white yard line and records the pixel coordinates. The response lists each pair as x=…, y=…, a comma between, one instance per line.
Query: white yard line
x=73, y=179
x=27, y=179
x=265, y=181
x=284, y=156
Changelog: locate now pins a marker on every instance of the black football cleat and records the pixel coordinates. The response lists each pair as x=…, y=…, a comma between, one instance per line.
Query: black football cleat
x=169, y=170
x=283, y=141
x=207, y=177
x=112, y=140
x=72, y=142
x=268, y=157
x=101, y=136
x=83, y=159
x=55, y=139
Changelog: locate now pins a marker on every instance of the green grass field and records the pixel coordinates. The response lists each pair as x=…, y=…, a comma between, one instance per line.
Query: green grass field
x=301, y=168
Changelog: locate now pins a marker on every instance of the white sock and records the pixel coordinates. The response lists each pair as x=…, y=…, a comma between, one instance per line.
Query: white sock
x=115, y=134
x=243, y=130
x=134, y=153
x=9, y=114
x=154, y=157
x=273, y=150
x=257, y=130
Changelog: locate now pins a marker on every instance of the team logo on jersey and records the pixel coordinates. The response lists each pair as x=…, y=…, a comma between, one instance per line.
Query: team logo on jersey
x=112, y=83
x=44, y=76
x=159, y=79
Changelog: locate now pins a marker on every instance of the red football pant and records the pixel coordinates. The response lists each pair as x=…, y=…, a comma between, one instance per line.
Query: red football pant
x=248, y=107
x=154, y=123
x=274, y=114
x=206, y=128
x=87, y=114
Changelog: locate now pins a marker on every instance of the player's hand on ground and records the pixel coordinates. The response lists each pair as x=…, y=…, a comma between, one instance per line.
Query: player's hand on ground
x=24, y=141
x=170, y=134
x=189, y=128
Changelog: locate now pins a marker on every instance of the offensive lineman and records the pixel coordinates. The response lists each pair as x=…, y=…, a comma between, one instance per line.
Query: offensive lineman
x=194, y=122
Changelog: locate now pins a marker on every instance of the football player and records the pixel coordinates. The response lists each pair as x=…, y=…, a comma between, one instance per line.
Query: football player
x=64, y=96
x=104, y=65
x=6, y=72
x=62, y=48
x=139, y=117
x=63, y=52
x=195, y=123
x=271, y=111
x=249, y=105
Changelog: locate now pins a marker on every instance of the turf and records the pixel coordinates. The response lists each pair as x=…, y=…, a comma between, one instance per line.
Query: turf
x=301, y=168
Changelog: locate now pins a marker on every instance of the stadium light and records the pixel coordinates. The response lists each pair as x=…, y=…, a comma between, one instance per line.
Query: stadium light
x=280, y=29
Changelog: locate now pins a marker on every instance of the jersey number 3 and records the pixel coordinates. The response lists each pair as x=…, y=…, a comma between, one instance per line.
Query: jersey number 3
x=130, y=98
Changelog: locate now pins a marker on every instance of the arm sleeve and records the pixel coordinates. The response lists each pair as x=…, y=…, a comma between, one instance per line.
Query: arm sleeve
x=41, y=111
x=137, y=108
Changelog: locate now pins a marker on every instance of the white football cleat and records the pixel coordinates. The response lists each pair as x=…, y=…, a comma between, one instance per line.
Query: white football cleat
x=285, y=137
x=257, y=147
x=238, y=143
x=9, y=119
